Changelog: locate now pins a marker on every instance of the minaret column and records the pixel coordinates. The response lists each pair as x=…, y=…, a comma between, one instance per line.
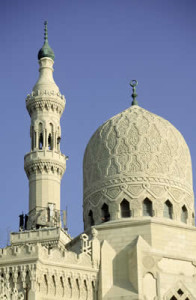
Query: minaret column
x=44, y=164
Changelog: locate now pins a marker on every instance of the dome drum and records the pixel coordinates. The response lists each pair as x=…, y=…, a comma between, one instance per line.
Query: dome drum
x=181, y=211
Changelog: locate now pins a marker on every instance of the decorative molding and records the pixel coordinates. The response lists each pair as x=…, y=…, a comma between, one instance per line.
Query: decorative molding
x=44, y=167
x=45, y=100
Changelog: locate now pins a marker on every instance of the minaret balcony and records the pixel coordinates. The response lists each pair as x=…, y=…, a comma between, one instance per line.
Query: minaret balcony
x=40, y=161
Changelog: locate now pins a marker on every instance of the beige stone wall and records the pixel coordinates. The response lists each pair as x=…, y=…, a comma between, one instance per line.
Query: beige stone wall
x=41, y=266
x=148, y=259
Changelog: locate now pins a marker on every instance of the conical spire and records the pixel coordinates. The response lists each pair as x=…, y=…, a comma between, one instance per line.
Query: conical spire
x=46, y=51
x=133, y=84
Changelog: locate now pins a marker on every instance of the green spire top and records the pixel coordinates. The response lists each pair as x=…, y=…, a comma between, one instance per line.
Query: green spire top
x=133, y=84
x=46, y=51
x=46, y=31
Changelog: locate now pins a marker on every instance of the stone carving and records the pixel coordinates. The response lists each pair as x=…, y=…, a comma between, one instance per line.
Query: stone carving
x=86, y=246
x=138, y=146
x=148, y=262
x=113, y=192
x=44, y=167
x=179, y=291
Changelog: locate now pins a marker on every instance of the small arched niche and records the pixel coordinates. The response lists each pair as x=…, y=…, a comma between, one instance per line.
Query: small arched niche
x=147, y=208
x=105, y=215
x=40, y=141
x=184, y=214
x=49, y=141
x=125, y=209
x=168, y=210
x=90, y=218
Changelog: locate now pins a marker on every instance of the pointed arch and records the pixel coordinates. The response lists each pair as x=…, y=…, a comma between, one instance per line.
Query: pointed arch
x=147, y=208
x=184, y=214
x=50, y=136
x=50, y=141
x=40, y=136
x=41, y=141
x=125, y=209
x=168, y=210
x=105, y=213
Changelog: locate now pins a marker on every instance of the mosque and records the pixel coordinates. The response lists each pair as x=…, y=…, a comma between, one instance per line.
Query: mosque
x=139, y=239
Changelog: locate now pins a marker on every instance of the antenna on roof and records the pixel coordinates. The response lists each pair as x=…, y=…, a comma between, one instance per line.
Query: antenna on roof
x=65, y=219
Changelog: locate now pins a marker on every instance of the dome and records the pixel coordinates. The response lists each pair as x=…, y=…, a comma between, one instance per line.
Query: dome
x=137, y=155
x=46, y=51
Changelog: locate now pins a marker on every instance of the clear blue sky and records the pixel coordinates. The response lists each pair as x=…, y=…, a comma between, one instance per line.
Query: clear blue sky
x=99, y=46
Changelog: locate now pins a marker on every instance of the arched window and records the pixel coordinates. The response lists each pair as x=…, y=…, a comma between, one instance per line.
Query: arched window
x=50, y=142
x=184, y=214
x=147, y=208
x=125, y=209
x=40, y=135
x=91, y=219
x=105, y=213
x=40, y=141
x=32, y=138
x=168, y=210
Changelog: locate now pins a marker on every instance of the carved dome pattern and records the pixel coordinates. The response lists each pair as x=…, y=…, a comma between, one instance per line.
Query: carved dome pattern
x=137, y=150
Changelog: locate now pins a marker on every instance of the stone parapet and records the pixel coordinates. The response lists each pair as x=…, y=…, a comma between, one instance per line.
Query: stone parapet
x=44, y=235
x=45, y=101
x=44, y=161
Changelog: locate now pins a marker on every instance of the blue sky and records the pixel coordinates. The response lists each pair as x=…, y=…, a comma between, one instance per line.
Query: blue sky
x=99, y=47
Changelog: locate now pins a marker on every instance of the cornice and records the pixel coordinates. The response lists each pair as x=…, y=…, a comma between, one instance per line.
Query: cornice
x=45, y=100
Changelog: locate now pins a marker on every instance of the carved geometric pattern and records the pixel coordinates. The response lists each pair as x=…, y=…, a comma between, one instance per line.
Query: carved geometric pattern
x=137, y=146
x=180, y=292
x=44, y=167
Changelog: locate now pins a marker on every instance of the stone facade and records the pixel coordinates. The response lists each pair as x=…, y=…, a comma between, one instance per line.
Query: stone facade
x=139, y=241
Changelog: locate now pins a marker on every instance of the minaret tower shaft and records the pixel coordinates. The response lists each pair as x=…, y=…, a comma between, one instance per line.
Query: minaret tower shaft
x=45, y=164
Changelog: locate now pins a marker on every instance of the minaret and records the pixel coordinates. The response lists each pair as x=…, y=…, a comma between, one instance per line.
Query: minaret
x=45, y=164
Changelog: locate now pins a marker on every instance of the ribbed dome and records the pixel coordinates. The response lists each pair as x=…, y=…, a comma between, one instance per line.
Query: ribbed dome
x=137, y=154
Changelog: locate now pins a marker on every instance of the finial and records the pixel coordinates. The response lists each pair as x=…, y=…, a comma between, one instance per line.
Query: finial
x=133, y=84
x=46, y=51
x=46, y=31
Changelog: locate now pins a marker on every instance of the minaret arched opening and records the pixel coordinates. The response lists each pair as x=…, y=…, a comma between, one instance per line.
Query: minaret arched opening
x=125, y=209
x=147, y=208
x=168, y=210
x=184, y=214
x=58, y=139
x=41, y=139
x=49, y=142
x=50, y=138
x=105, y=215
